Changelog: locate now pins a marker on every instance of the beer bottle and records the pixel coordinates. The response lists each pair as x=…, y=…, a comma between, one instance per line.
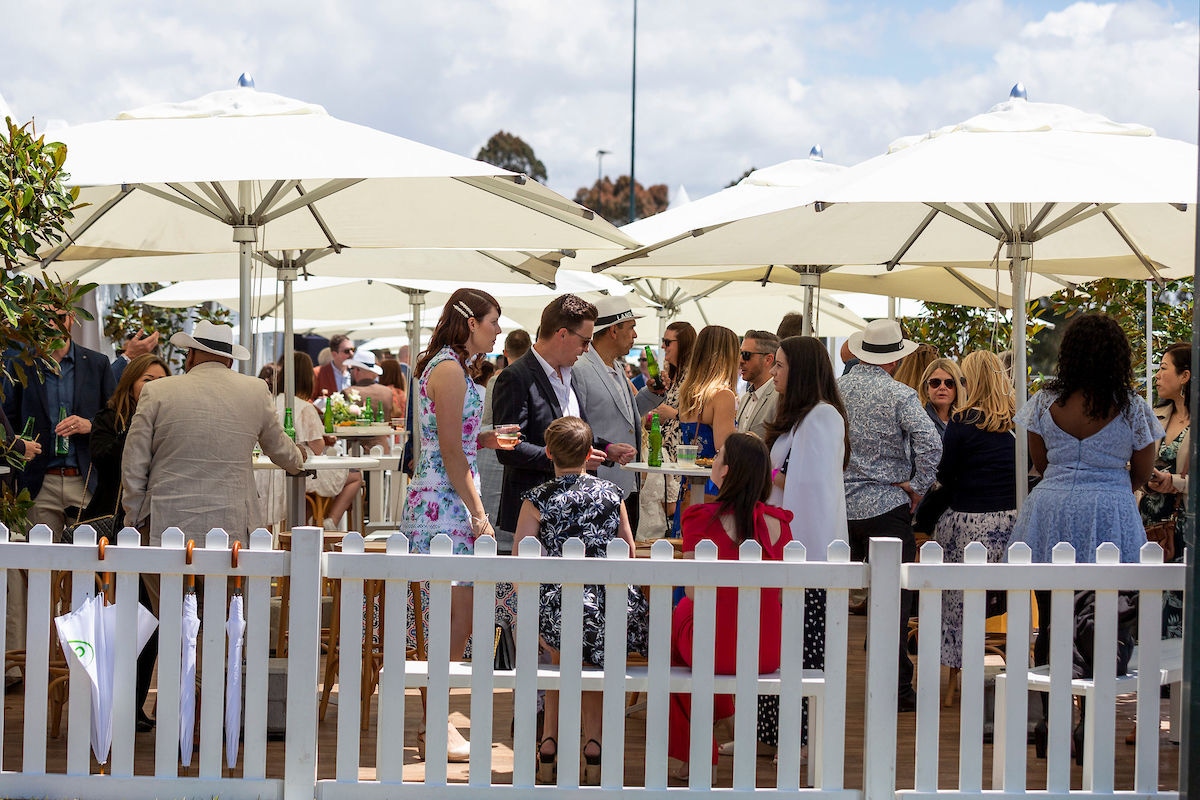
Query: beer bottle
x=28, y=432
x=61, y=445
x=289, y=427
x=328, y=412
x=651, y=363
x=654, y=457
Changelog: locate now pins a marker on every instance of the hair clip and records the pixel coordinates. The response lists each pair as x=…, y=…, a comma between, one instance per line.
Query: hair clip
x=464, y=309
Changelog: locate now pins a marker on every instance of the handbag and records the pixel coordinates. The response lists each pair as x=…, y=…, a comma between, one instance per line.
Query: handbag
x=105, y=525
x=1164, y=534
x=504, y=648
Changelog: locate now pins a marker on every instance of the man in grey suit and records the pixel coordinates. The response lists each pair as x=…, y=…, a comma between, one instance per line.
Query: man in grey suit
x=756, y=406
x=606, y=395
x=187, y=461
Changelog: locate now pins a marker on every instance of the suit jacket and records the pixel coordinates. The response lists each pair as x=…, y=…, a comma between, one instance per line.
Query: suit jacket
x=755, y=420
x=94, y=384
x=522, y=394
x=612, y=417
x=188, y=453
x=325, y=380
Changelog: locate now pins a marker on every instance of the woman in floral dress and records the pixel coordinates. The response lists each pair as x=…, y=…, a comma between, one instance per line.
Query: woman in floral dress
x=443, y=496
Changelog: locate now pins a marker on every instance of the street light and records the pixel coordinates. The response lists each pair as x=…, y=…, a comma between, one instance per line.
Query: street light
x=600, y=154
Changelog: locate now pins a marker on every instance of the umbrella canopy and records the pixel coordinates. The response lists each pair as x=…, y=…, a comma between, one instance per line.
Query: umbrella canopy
x=1099, y=198
x=235, y=630
x=234, y=171
x=187, y=677
x=88, y=636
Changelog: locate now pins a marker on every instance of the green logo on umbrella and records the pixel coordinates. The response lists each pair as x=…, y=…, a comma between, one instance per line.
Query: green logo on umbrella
x=83, y=650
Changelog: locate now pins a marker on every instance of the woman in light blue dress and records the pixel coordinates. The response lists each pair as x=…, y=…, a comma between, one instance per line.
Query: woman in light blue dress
x=1094, y=441
x=443, y=496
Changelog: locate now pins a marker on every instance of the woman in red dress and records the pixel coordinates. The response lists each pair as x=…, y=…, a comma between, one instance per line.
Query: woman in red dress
x=742, y=473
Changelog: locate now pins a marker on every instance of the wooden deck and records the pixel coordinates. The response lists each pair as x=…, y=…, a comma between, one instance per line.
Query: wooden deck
x=635, y=742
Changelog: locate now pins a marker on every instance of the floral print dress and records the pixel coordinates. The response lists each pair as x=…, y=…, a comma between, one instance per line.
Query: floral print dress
x=433, y=506
x=588, y=508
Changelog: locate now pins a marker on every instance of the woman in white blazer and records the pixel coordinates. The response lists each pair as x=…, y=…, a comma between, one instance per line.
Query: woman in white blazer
x=810, y=446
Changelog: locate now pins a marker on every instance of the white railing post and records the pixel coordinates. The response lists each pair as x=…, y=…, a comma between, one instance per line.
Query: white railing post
x=1010, y=733
x=1100, y=714
x=1058, y=715
x=929, y=676
x=304, y=647
x=883, y=668
x=124, y=664
x=37, y=660
x=483, y=682
x=1145, y=776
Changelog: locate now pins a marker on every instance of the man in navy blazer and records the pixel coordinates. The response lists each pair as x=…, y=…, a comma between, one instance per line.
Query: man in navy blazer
x=535, y=390
x=60, y=405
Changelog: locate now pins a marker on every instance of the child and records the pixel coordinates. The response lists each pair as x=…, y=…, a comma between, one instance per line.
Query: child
x=576, y=504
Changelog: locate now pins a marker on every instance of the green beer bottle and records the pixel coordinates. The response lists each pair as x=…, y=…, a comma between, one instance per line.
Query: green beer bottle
x=654, y=457
x=61, y=445
x=651, y=363
x=289, y=426
x=27, y=433
x=328, y=412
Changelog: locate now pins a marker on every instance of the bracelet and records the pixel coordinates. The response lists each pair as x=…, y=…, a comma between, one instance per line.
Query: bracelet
x=478, y=522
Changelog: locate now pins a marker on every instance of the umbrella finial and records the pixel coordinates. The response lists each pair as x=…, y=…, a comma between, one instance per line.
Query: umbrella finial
x=246, y=80
x=817, y=153
x=1017, y=92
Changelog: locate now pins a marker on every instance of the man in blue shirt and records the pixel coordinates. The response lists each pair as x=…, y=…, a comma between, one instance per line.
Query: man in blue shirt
x=894, y=455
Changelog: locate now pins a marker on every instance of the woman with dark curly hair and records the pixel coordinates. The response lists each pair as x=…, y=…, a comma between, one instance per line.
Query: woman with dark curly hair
x=1084, y=427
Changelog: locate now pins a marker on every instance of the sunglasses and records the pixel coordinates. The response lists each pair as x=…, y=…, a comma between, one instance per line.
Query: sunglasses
x=669, y=342
x=586, y=341
x=347, y=351
x=934, y=383
x=747, y=355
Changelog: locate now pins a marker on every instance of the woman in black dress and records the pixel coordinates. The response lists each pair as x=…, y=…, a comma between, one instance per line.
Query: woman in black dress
x=107, y=444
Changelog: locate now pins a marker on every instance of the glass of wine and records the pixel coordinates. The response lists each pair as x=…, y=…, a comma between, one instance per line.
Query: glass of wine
x=507, y=436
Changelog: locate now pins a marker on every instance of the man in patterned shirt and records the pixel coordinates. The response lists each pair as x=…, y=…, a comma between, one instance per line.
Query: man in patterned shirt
x=894, y=455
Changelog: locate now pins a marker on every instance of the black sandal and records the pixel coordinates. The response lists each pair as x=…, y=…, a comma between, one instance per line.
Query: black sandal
x=591, y=765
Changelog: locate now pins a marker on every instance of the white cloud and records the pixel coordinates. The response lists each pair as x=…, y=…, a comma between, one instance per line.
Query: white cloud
x=721, y=86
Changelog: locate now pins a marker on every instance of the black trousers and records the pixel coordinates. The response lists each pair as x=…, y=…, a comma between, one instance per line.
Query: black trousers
x=896, y=523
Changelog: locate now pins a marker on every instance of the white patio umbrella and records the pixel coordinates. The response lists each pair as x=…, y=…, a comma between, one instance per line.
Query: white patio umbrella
x=88, y=636
x=1036, y=187
x=187, y=676
x=238, y=171
x=235, y=630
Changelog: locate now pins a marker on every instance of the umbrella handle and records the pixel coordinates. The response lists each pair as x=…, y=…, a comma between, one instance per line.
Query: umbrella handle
x=105, y=577
x=190, y=550
x=233, y=562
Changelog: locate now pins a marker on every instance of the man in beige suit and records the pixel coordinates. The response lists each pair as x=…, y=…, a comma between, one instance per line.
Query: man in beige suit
x=187, y=461
x=756, y=406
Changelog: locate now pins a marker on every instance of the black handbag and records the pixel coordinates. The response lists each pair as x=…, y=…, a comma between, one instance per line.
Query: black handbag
x=105, y=525
x=504, y=648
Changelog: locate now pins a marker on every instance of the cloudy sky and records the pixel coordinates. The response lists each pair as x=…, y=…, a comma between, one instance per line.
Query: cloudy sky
x=721, y=85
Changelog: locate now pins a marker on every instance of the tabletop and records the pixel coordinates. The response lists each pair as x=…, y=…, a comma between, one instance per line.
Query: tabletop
x=325, y=462
x=363, y=431
x=669, y=468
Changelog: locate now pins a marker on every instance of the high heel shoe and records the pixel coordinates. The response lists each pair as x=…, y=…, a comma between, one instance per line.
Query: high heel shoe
x=591, y=764
x=458, y=749
x=547, y=767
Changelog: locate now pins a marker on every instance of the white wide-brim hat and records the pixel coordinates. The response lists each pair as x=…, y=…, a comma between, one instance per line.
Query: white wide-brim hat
x=211, y=338
x=611, y=310
x=881, y=342
x=364, y=360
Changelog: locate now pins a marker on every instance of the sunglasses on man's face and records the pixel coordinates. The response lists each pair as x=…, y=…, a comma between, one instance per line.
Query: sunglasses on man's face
x=934, y=383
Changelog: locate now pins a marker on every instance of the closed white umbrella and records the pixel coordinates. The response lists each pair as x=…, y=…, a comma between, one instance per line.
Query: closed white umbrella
x=88, y=636
x=235, y=630
x=187, y=674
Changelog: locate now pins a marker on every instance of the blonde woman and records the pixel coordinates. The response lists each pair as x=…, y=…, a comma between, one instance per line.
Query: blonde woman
x=707, y=403
x=977, y=468
x=942, y=392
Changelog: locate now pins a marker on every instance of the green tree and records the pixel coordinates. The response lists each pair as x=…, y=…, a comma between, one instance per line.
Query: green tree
x=509, y=151
x=611, y=200
x=1125, y=301
x=35, y=207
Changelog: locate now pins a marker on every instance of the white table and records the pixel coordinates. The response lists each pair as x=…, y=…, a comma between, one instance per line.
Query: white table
x=354, y=434
x=696, y=476
x=325, y=462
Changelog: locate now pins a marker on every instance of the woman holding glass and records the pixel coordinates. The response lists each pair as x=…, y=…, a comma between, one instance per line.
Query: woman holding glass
x=443, y=496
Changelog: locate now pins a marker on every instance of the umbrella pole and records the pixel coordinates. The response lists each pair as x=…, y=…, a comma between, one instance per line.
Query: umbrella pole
x=1019, y=254
x=245, y=236
x=810, y=281
x=416, y=299
x=1150, y=342
x=295, y=485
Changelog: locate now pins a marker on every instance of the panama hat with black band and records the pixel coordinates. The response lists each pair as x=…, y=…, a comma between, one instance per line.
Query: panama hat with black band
x=881, y=342
x=612, y=310
x=211, y=338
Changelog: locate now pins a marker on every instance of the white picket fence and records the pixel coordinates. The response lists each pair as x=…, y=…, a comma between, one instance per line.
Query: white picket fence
x=307, y=566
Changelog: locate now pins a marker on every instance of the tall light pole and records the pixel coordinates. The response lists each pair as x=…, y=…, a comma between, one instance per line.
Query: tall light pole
x=633, y=122
x=600, y=154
